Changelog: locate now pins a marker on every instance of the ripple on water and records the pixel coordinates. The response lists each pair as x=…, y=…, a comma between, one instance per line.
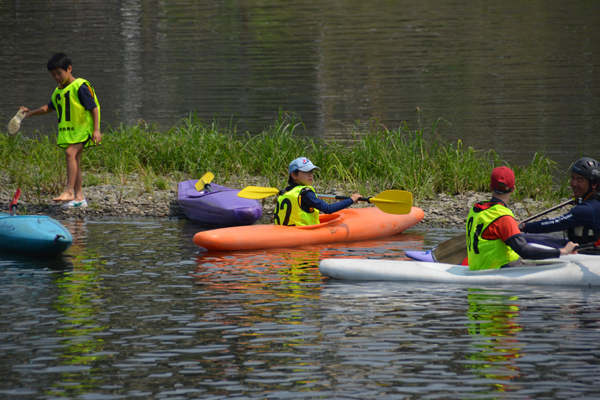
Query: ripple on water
x=266, y=324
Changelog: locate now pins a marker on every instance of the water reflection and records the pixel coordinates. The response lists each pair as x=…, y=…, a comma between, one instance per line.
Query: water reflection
x=81, y=331
x=78, y=331
x=293, y=268
x=132, y=83
x=499, y=75
x=140, y=313
x=493, y=327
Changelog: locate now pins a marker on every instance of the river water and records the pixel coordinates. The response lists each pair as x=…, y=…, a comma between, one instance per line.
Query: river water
x=518, y=78
x=134, y=310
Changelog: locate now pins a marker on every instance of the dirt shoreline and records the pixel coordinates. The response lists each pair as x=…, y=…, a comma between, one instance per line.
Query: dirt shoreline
x=129, y=201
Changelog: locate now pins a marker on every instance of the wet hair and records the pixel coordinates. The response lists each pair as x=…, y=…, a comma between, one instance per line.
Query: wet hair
x=59, y=60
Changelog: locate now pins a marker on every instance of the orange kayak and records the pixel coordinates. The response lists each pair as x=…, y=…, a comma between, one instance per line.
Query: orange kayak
x=349, y=225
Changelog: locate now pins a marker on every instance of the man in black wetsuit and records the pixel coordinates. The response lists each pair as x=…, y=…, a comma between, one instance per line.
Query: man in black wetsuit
x=582, y=223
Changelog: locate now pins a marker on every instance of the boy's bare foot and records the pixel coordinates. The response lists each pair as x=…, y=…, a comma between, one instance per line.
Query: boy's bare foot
x=65, y=196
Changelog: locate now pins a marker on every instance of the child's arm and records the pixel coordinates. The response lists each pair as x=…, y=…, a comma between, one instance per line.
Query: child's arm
x=310, y=199
x=96, y=136
x=40, y=111
x=86, y=98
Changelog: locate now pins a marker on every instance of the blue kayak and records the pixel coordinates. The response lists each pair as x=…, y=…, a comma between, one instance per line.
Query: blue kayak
x=33, y=234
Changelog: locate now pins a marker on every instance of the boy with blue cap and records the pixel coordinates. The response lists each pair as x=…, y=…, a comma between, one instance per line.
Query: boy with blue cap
x=298, y=204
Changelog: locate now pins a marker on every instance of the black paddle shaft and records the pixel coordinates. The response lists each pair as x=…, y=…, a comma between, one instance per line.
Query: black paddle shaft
x=332, y=196
x=556, y=207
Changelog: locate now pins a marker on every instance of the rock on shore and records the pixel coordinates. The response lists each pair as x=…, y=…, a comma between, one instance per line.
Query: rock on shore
x=130, y=201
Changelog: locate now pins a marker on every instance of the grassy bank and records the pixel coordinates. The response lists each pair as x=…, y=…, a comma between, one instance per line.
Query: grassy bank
x=414, y=160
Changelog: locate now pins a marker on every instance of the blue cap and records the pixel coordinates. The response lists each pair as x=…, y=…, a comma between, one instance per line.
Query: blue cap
x=302, y=164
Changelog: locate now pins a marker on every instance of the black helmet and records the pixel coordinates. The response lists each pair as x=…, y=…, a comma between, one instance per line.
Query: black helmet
x=588, y=168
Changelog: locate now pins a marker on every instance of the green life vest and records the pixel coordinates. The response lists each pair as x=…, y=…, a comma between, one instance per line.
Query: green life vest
x=289, y=210
x=487, y=254
x=75, y=123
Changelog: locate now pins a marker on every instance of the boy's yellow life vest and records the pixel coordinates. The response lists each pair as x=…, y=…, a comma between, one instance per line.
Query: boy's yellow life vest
x=487, y=254
x=75, y=123
x=289, y=211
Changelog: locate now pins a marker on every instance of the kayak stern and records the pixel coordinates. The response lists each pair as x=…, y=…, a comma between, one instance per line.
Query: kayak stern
x=33, y=234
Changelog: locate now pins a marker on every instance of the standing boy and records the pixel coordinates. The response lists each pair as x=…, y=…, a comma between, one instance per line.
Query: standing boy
x=78, y=123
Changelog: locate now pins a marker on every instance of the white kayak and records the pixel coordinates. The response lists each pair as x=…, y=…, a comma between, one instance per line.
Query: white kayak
x=571, y=270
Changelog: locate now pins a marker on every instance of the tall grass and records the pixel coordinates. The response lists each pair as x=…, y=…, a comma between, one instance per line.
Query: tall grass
x=379, y=159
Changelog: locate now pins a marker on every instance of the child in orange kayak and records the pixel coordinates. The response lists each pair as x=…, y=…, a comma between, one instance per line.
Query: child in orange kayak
x=298, y=204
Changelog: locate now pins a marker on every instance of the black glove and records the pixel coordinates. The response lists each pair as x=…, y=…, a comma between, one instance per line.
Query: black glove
x=522, y=227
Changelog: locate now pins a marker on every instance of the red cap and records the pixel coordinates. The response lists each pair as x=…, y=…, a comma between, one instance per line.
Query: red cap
x=503, y=180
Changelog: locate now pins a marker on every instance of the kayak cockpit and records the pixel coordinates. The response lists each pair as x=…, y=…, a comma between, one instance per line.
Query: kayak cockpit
x=540, y=266
x=325, y=219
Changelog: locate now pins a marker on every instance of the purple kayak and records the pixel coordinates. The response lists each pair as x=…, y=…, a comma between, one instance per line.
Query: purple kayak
x=419, y=255
x=220, y=206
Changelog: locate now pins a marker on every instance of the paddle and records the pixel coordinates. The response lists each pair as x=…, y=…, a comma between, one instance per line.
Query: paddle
x=556, y=207
x=203, y=183
x=388, y=201
x=13, y=204
x=588, y=245
x=454, y=251
x=451, y=251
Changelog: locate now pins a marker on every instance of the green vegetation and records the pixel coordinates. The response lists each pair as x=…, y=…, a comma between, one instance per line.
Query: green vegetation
x=414, y=160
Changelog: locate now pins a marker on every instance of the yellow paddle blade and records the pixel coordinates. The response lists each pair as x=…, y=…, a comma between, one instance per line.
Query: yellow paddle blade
x=393, y=201
x=205, y=180
x=257, y=192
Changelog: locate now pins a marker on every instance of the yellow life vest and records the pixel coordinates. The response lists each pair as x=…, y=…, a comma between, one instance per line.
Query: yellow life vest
x=289, y=210
x=75, y=123
x=487, y=254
